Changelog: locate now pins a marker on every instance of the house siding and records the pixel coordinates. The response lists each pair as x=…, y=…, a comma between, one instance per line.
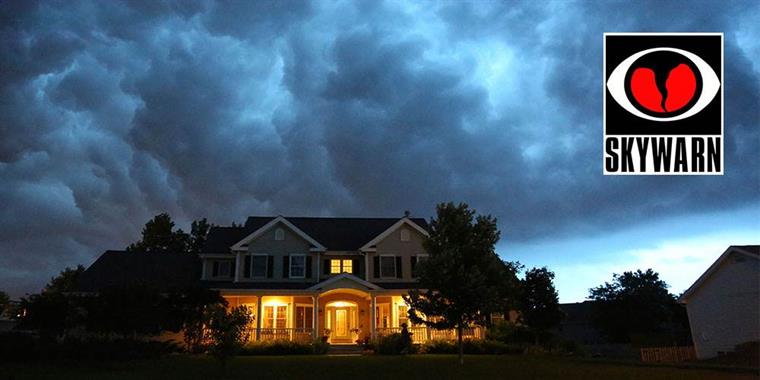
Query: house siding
x=392, y=245
x=291, y=244
x=725, y=310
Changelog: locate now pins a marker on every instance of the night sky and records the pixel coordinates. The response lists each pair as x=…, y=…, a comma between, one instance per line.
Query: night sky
x=111, y=112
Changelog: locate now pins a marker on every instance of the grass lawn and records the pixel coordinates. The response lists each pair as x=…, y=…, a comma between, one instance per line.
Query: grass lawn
x=436, y=367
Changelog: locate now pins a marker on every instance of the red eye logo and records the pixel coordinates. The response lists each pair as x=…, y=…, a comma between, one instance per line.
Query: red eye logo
x=663, y=84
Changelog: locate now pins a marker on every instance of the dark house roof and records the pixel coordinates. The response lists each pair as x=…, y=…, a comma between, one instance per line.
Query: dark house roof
x=163, y=271
x=337, y=234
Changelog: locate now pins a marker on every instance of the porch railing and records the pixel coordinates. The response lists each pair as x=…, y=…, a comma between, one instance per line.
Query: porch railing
x=292, y=334
x=422, y=334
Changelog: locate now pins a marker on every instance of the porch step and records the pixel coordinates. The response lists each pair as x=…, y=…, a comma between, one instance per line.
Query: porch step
x=344, y=349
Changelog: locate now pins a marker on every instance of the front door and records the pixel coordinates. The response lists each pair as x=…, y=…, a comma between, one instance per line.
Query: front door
x=341, y=324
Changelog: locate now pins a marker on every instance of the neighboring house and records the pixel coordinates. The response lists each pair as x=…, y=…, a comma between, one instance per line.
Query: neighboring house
x=724, y=303
x=302, y=278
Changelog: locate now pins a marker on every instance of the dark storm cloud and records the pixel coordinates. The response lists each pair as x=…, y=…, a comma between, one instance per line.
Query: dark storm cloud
x=114, y=111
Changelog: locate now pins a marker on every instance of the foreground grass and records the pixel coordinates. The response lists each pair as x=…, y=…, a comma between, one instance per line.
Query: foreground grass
x=437, y=367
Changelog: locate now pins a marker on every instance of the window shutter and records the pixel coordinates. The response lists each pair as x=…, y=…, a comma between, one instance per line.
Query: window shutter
x=399, y=272
x=215, y=269
x=285, y=266
x=414, y=265
x=357, y=265
x=270, y=266
x=326, y=266
x=232, y=268
x=308, y=267
x=247, y=266
x=376, y=266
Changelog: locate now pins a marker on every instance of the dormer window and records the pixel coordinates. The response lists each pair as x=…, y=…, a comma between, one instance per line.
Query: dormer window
x=404, y=235
x=279, y=234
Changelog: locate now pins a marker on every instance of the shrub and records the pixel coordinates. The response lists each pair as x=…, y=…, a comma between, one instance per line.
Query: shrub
x=394, y=344
x=471, y=347
x=508, y=332
x=285, y=347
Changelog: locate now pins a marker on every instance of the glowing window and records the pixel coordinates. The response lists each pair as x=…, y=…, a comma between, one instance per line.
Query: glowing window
x=275, y=316
x=341, y=266
x=348, y=266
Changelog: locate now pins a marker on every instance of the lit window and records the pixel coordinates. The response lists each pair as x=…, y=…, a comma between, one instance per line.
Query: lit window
x=275, y=316
x=297, y=265
x=341, y=266
x=404, y=235
x=279, y=234
x=403, y=316
x=382, y=316
x=348, y=266
x=334, y=266
x=387, y=266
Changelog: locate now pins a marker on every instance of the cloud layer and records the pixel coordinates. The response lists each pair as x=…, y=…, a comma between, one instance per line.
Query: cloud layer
x=114, y=111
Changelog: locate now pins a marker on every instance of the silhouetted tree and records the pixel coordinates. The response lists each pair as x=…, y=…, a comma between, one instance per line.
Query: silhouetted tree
x=188, y=312
x=66, y=281
x=539, y=302
x=227, y=331
x=5, y=301
x=158, y=235
x=633, y=303
x=198, y=234
x=464, y=279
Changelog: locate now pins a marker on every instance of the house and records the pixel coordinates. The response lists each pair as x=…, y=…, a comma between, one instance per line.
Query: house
x=724, y=303
x=577, y=324
x=302, y=277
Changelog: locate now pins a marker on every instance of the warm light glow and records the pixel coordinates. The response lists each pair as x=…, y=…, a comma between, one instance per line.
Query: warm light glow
x=275, y=301
x=341, y=304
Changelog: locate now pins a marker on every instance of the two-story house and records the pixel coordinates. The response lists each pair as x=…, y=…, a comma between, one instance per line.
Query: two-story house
x=310, y=277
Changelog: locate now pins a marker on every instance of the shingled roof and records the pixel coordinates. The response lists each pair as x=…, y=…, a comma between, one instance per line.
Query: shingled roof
x=337, y=234
x=163, y=271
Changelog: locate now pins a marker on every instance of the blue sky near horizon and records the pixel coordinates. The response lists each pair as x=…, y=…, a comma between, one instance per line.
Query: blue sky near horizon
x=115, y=111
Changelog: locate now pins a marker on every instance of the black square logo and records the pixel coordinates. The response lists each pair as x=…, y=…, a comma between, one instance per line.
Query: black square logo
x=663, y=103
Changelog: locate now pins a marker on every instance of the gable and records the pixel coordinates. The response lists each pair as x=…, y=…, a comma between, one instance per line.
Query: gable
x=271, y=228
x=392, y=235
x=743, y=263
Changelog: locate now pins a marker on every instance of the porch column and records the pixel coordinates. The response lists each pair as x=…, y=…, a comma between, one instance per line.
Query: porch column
x=259, y=317
x=315, y=314
x=372, y=318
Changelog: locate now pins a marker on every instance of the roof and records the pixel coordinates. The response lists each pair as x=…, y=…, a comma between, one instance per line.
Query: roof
x=746, y=250
x=164, y=271
x=337, y=234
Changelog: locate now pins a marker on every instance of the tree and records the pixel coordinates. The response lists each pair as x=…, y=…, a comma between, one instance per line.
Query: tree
x=188, y=311
x=464, y=280
x=539, y=302
x=198, y=233
x=66, y=281
x=227, y=331
x=158, y=235
x=634, y=303
x=5, y=301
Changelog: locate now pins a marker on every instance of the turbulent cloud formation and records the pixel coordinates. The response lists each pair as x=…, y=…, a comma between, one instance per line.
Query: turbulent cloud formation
x=111, y=112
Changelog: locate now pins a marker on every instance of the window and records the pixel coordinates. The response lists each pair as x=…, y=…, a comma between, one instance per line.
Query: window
x=497, y=318
x=304, y=317
x=387, y=266
x=403, y=316
x=382, y=316
x=404, y=235
x=221, y=268
x=297, y=266
x=259, y=266
x=341, y=266
x=275, y=316
x=348, y=266
x=335, y=266
x=279, y=234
